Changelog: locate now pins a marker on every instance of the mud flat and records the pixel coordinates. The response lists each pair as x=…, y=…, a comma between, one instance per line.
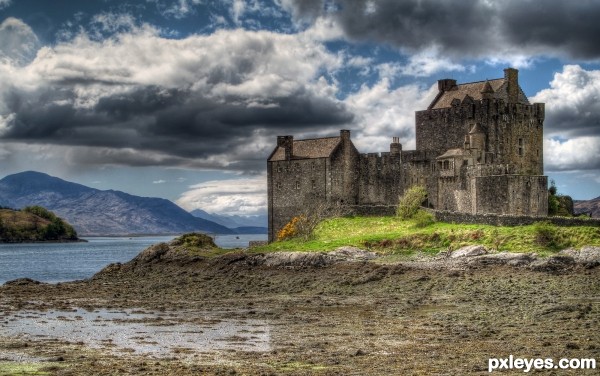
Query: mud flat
x=174, y=312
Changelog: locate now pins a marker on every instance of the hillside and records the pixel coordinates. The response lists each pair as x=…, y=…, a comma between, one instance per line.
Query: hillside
x=95, y=212
x=33, y=224
x=591, y=207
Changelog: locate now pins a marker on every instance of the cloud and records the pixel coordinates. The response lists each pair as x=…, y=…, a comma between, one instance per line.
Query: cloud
x=466, y=29
x=5, y=3
x=582, y=153
x=572, y=124
x=18, y=43
x=572, y=103
x=233, y=197
x=383, y=112
x=139, y=98
x=159, y=181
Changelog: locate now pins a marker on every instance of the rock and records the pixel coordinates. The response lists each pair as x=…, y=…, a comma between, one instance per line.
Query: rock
x=22, y=282
x=503, y=258
x=349, y=253
x=587, y=256
x=469, y=251
x=554, y=264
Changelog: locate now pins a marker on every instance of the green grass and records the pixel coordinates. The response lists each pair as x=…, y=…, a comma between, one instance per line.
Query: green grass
x=392, y=235
x=24, y=368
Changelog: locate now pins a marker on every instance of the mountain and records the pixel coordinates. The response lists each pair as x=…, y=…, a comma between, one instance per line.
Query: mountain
x=252, y=224
x=588, y=207
x=95, y=212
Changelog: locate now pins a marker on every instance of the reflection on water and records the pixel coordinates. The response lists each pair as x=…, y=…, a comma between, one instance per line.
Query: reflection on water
x=140, y=332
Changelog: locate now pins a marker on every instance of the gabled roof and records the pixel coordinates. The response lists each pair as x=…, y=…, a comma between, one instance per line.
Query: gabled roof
x=471, y=89
x=308, y=149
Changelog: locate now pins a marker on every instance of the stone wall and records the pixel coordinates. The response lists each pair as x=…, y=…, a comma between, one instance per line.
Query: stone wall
x=510, y=220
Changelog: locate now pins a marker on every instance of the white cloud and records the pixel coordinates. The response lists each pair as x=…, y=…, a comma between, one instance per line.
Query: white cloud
x=4, y=3
x=428, y=62
x=383, y=112
x=581, y=153
x=232, y=197
x=238, y=8
x=572, y=125
x=159, y=181
x=572, y=102
x=18, y=43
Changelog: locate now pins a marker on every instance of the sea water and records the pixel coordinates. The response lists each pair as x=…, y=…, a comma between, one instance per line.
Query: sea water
x=62, y=262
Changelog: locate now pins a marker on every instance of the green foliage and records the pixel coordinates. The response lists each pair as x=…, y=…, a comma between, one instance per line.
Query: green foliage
x=40, y=212
x=423, y=219
x=33, y=223
x=195, y=240
x=558, y=204
x=411, y=201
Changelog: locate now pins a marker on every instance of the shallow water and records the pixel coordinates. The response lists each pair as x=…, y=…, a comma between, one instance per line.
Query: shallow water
x=141, y=332
x=62, y=262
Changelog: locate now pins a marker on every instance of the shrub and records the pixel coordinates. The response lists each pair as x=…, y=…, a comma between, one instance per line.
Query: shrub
x=410, y=202
x=423, y=219
x=195, y=240
x=291, y=229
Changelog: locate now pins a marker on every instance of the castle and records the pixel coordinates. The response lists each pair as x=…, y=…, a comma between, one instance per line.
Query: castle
x=478, y=150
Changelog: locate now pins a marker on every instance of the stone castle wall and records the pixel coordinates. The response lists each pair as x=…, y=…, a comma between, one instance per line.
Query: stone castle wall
x=510, y=220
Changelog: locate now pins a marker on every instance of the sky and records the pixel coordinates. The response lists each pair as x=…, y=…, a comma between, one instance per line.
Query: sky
x=184, y=99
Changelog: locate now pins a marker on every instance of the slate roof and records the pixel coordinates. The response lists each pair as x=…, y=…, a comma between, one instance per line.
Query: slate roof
x=472, y=89
x=308, y=149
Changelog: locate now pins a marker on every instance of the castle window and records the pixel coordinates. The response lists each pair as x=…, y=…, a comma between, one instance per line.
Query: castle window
x=314, y=184
x=278, y=185
x=297, y=184
x=520, y=147
x=279, y=169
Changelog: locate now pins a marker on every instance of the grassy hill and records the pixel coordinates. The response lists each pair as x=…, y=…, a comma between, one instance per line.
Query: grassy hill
x=392, y=235
x=33, y=224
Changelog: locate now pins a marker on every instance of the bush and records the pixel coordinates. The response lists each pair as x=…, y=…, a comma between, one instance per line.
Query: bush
x=292, y=228
x=411, y=201
x=423, y=219
x=195, y=240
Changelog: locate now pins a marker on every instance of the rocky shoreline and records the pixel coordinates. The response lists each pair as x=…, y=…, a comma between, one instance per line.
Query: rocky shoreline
x=337, y=313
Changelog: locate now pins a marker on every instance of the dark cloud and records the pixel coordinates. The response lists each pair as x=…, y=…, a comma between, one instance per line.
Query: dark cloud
x=470, y=28
x=177, y=123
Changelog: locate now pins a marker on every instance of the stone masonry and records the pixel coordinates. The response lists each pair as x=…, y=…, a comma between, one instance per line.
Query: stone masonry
x=478, y=150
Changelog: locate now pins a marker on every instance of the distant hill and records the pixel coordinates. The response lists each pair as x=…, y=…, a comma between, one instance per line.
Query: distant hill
x=253, y=224
x=588, y=207
x=95, y=212
x=33, y=224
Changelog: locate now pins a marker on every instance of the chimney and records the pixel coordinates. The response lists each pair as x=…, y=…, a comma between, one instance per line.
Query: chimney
x=511, y=76
x=446, y=84
x=395, y=146
x=345, y=135
x=286, y=142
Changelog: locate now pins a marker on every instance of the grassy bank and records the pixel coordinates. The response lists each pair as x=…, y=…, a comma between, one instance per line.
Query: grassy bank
x=392, y=235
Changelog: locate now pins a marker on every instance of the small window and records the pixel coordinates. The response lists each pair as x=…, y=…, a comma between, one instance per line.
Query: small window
x=520, y=147
x=278, y=185
x=279, y=169
x=314, y=184
x=312, y=165
x=297, y=184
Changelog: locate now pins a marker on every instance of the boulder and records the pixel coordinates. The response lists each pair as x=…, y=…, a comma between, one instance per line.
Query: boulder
x=469, y=251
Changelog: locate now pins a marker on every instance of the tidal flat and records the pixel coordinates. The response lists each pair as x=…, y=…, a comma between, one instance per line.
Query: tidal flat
x=300, y=317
